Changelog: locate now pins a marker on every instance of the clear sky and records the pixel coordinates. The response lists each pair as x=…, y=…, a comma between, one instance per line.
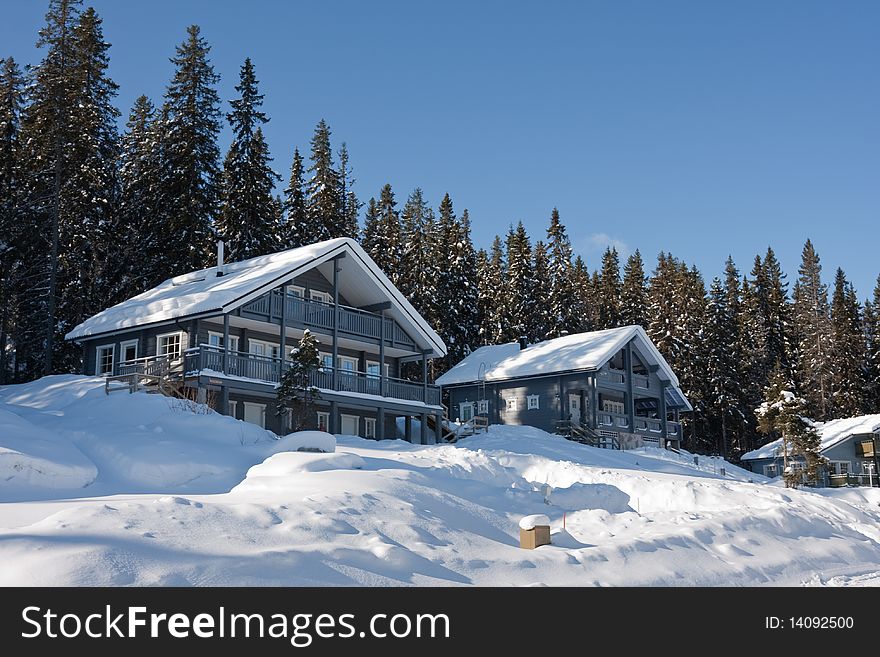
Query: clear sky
x=701, y=128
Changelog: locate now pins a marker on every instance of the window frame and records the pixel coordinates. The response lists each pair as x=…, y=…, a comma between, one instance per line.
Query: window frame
x=482, y=407
x=471, y=406
x=233, y=340
x=323, y=297
x=232, y=408
x=273, y=347
x=325, y=416
x=376, y=363
x=298, y=288
x=124, y=345
x=537, y=402
x=370, y=428
x=262, y=408
x=836, y=469
x=98, y=349
x=179, y=335
x=774, y=467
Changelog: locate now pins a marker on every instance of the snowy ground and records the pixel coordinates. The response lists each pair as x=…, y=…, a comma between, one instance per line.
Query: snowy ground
x=137, y=489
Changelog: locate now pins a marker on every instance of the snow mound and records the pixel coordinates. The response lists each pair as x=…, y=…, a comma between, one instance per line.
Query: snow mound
x=306, y=441
x=537, y=520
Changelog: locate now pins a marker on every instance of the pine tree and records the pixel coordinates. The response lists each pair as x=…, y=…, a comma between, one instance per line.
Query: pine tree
x=192, y=181
x=544, y=325
x=323, y=206
x=296, y=392
x=582, y=288
x=11, y=189
x=419, y=270
x=519, y=303
x=847, y=371
x=350, y=206
x=775, y=299
x=295, y=231
x=662, y=307
x=560, y=301
x=249, y=221
x=744, y=411
x=491, y=296
x=609, y=291
x=784, y=414
x=872, y=351
x=381, y=238
x=634, y=292
x=813, y=325
x=722, y=383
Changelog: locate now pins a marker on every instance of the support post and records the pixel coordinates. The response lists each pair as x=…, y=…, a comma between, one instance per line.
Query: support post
x=382, y=353
x=283, y=349
x=438, y=429
x=334, y=418
x=407, y=428
x=335, y=325
x=225, y=343
x=224, y=400
x=630, y=402
x=425, y=377
x=664, y=433
x=423, y=429
x=594, y=399
x=380, y=424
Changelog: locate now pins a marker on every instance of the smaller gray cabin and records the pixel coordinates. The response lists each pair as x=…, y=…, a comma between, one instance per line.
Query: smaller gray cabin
x=850, y=445
x=608, y=388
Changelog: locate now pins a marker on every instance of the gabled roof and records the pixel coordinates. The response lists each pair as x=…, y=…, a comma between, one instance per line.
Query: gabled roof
x=831, y=433
x=577, y=352
x=204, y=293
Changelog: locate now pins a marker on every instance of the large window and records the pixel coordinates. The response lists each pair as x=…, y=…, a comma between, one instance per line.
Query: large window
x=260, y=348
x=611, y=406
x=128, y=351
x=216, y=340
x=839, y=467
x=104, y=360
x=170, y=344
x=373, y=369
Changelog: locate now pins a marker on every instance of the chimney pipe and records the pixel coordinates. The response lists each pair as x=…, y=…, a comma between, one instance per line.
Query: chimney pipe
x=220, y=258
x=523, y=342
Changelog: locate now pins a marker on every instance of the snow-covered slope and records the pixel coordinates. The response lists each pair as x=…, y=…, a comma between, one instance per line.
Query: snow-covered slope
x=207, y=500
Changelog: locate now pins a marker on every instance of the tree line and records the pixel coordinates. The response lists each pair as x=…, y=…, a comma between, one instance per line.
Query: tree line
x=91, y=215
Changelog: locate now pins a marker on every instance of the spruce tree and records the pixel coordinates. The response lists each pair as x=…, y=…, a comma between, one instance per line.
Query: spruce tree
x=192, y=181
x=249, y=221
x=848, y=348
x=519, y=304
x=561, y=303
x=634, y=292
x=544, y=324
x=582, y=287
x=609, y=293
x=295, y=230
x=491, y=296
x=350, y=206
x=813, y=325
x=11, y=190
x=323, y=205
x=872, y=351
x=381, y=238
x=296, y=392
x=419, y=269
x=733, y=296
x=722, y=383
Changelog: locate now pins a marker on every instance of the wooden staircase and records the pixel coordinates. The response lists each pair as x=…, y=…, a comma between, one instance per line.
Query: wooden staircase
x=153, y=374
x=451, y=433
x=585, y=435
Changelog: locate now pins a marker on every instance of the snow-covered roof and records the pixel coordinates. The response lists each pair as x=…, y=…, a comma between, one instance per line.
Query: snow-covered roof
x=576, y=352
x=203, y=292
x=831, y=433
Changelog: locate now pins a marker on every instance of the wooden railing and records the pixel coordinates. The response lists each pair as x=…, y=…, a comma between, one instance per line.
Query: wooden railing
x=614, y=420
x=265, y=368
x=612, y=376
x=641, y=381
x=320, y=316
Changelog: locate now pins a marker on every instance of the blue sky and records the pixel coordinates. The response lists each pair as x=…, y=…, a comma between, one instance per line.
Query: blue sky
x=701, y=128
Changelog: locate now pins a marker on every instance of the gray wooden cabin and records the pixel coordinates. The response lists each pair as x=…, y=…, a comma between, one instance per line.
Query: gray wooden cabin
x=849, y=445
x=259, y=308
x=607, y=388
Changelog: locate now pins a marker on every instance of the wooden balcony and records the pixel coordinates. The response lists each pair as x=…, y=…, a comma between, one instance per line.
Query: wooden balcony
x=643, y=425
x=206, y=358
x=319, y=317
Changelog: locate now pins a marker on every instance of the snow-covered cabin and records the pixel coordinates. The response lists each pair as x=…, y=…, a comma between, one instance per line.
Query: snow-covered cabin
x=849, y=444
x=224, y=332
x=611, y=388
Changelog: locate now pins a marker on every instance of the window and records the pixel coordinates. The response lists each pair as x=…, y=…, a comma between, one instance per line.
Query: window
x=261, y=348
x=170, y=344
x=483, y=407
x=771, y=470
x=839, y=467
x=320, y=297
x=233, y=409
x=373, y=369
x=867, y=467
x=255, y=414
x=369, y=427
x=511, y=405
x=296, y=291
x=323, y=421
x=348, y=365
x=104, y=360
x=532, y=402
x=611, y=406
x=128, y=351
x=349, y=425
x=466, y=411
x=216, y=340
x=326, y=362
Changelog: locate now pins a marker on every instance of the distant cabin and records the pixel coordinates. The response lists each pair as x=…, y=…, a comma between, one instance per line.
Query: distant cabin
x=608, y=388
x=849, y=444
x=223, y=335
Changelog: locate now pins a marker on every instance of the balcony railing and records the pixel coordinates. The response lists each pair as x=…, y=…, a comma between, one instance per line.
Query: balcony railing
x=319, y=316
x=265, y=368
x=644, y=425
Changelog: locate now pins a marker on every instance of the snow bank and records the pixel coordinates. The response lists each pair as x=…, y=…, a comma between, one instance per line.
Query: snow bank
x=305, y=441
x=537, y=520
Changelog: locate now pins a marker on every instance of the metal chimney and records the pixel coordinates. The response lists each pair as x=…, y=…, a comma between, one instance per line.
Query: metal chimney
x=220, y=258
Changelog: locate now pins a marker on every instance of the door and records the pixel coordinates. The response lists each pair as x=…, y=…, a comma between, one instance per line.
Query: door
x=574, y=408
x=255, y=414
x=466, y=411
x=349, y=425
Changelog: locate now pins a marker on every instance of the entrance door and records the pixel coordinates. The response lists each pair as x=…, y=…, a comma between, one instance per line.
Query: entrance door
x=349, y=425
x=574, y=408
